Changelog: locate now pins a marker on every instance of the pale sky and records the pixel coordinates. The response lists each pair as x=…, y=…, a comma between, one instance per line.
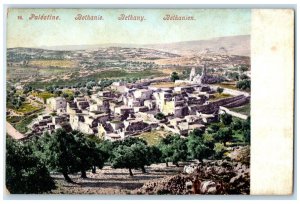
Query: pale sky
x=209, y=23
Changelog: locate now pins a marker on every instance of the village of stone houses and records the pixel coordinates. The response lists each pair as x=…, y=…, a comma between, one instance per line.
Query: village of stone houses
x=124, y=120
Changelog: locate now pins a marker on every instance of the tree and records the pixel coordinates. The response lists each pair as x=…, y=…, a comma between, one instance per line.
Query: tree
x=132, y=153
x=50, y=89
x=58, y=92
x=244, y=76
x=90, y=84
x=226, y=119
x=71, y=152
x=173, y=149
x=57, y=150
x=236, y=124
x=76, y=93
x=244, y=84
x=219, y=150
x=154, y=155
x=160, y=116
x=25, y=173
x=198, y=148
x=123, y=157
x=88, y=92
x=65, y=95
x=224, y=135
x=174, y=76
x=246, y=130
x=220, y=90
x=27, y=89
x=88, y=153
x=213, y=128
x=233, y=76
x=243, y=68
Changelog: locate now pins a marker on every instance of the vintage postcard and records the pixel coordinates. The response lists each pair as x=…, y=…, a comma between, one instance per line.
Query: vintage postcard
x=149, y=101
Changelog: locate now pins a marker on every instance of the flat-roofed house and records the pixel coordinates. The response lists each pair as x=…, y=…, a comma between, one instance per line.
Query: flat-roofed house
x=56, y=103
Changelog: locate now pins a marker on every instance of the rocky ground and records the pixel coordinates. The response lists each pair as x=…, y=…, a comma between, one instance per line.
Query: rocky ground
x=209, y=177
x=113, y=181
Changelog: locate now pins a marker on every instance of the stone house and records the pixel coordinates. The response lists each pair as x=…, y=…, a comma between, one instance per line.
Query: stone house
x=131, y=102
x=56, y=103
x=56, y=120
x=150, y=104
x=104, y=93
x=143, y=94
x=134, y=125
x=123, y=109
x=140, y=109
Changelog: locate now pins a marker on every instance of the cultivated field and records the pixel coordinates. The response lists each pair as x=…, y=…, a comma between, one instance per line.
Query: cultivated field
x=53, y=63
x=153, y=137
x=242, y=109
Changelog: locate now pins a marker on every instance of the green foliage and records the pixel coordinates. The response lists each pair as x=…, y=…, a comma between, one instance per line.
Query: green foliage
x=22, y=124
x=154, y=155
x=226, y=119
x=160, y=116
x=88, y=153
x=213, y=128
x=123, y=157
x=244, y=85
x=245, y=109
x=244, y=76
x=50, y=89
x=173, y=148
x=58, y=92
x=25, y=173
x=236, y=124
x=58, y=152
x=243, y=67
x=90, y=84
x=13, y=99
x=27, y=108
x=174, y=76
x=27, y=89
x=233, y=75
x=219, y=150
x=224, y=135
x=220, y=90
x=106, y=147
x=70, y=152
x=133, y=153
x=246, y=130
x=199, y=146
x=107, y=77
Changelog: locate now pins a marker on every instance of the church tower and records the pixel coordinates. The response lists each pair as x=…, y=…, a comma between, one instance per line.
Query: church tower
x=204, y=70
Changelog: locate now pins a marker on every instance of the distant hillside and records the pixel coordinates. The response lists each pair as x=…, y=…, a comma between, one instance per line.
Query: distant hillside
x=232, y=45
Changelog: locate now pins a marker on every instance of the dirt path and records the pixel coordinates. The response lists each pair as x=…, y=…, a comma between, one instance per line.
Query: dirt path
x=13, y=132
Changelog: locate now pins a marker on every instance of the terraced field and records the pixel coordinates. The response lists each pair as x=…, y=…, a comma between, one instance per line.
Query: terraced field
x=53, y=63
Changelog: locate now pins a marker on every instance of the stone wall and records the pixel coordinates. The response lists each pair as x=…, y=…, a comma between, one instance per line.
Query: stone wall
x=214, y=106
x=237, y=103
x=235, y=114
